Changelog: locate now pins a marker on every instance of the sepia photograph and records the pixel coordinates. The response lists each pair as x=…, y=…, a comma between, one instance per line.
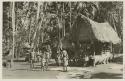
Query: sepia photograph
x=62, y=39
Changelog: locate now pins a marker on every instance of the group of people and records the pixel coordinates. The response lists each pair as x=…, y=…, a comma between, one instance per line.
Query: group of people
x=44, y=56
x=86, y=58
x=62, y=59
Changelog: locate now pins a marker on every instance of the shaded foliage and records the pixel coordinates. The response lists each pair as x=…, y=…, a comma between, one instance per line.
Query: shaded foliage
x=55, y=20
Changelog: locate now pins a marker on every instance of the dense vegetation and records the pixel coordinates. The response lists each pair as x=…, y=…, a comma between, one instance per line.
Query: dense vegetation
x=37, y=23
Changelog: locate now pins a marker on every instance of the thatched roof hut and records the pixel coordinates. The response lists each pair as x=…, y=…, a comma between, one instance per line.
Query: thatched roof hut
x=86, y=29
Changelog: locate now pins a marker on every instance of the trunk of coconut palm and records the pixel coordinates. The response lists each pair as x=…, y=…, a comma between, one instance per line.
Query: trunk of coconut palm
x=40, y=29
x=61, y=22
x=30, y=31
x=64, y=20
x=9, y=27
x=58, y=21
x=37, y=17
x=16, y=43
x=70, y=14
x=13, y=25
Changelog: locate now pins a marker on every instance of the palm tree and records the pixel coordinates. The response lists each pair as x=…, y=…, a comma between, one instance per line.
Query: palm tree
x=13, y=25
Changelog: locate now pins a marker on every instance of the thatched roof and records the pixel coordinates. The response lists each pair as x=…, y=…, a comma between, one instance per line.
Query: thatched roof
x=86, y=29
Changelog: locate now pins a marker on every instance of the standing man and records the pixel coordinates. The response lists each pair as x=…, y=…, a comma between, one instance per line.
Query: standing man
x=43, y=61
x=65, y=60
x=47, y=58
x=58, y=59
x=32, y=59
x=58, y=56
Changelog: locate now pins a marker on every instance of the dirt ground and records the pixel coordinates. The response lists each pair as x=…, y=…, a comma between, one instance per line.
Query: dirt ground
x=21, y=70
x=107, y=71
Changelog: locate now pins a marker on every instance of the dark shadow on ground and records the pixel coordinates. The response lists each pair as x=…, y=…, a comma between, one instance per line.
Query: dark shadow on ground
x=85, y=75
x=21, y=69
x=103, y=75
x=53, y=64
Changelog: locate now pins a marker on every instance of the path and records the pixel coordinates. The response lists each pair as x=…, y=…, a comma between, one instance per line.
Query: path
x=107, y=71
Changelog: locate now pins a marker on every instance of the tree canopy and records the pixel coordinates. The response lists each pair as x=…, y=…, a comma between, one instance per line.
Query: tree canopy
x=37, y=23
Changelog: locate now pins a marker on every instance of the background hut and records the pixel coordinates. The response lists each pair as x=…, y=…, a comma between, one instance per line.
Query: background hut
x=87, y=30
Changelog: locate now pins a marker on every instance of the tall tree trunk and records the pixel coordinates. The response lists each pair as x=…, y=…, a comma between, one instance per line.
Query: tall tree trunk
x=30, y=31
x=39, y=27
x=64, y=20
x=37, y=18
x=16, y=43
x=9, y=27
x=70, y=14
x=13, y=25
x=58, y=27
